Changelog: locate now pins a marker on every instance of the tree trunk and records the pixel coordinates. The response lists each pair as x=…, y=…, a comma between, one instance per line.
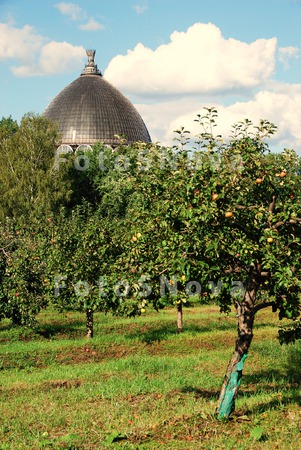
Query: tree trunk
x=89, y=318
x=232, y=380
x=180, y=317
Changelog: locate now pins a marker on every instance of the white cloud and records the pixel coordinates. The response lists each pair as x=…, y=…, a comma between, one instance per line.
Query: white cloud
x=140, y=9
x=91, y=25
x=19, y=43
x=72, y=10
x=33, y=54
x=199, y=60
x=77, y=13
x=285, y=54
x=200, y=68
x=54, y=57
x=282, y=106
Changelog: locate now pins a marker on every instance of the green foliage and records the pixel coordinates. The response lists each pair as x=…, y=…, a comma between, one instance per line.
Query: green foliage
x=8, y=127
x=228, y=214
x=22, y=269
x=214, y=221
x=152, y=225
x=30, y=185
x=257, y=433
x=290, y=333
x=80, y=251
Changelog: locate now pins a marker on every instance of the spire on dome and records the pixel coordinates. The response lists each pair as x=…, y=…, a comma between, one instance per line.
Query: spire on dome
x=91, y=67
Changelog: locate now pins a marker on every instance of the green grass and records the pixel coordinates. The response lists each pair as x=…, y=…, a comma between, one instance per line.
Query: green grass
x=140, y=385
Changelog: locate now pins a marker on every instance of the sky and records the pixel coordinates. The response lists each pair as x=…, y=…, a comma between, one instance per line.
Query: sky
x=171, y=58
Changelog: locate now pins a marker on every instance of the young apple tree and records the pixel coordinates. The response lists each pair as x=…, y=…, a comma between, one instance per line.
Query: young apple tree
x=80, y=255
x=21, y=274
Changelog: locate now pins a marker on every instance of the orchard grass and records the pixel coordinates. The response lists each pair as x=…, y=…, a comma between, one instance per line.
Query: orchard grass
x=140, y=385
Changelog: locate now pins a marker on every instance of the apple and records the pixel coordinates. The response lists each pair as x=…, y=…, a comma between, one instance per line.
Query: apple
x=214, y=197
x=138, y=235
x=17, y=294
x=270, y=240
x=258, y=180
x=134, y=238
x=283, y=174
x=229, y=214
x=142, y=310
x=183, y=278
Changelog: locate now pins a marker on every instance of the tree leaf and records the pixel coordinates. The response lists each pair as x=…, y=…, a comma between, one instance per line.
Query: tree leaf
x=256, y=433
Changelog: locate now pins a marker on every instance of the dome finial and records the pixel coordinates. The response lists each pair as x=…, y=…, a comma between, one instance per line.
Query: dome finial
x=91, y=67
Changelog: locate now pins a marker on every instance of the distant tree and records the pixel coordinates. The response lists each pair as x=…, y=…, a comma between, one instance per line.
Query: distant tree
x=8, y=127
x=29, y=183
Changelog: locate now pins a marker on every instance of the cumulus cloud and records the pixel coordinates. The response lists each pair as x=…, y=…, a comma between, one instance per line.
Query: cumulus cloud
x=200, y=68
x=198, y=60
x=19, y=43
x=91, y=25
x=285, y=54
x=54, y=57
x=72, y=10
x=282, y=106
x=34, y=55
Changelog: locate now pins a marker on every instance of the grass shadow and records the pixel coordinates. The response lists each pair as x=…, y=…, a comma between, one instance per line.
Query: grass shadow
x=275, y=378
x=201, y=393
x=150, y=333
x=275, y=403
x=293, y=363
x=72, y=329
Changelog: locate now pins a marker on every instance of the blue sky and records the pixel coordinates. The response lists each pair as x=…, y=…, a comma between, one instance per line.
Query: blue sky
x=170, y=57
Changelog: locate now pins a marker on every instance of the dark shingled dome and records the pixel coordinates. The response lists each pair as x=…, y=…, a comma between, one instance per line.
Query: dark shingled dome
x=91, y=110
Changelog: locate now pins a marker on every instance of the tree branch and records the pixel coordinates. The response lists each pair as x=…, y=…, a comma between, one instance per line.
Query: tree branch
x=272, y=204
x=291, y=222
x=264, y=305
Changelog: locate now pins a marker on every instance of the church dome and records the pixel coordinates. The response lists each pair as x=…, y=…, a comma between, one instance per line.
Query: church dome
x=91, y=110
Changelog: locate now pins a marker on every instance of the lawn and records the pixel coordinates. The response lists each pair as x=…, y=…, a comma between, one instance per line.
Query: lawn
x=140, y=385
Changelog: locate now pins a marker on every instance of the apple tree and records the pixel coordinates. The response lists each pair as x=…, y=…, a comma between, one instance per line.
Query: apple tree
x=22, y=267
x=223, y=214
x=80, y=251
